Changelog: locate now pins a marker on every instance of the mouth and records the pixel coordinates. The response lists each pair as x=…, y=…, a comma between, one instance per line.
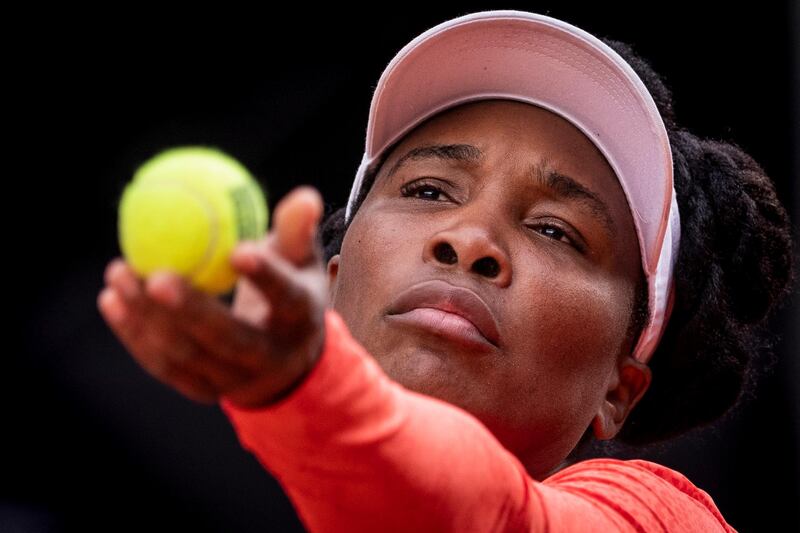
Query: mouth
x=447, y=311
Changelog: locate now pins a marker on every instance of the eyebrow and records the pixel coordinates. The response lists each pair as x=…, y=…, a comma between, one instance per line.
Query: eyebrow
x=541, y=174
x=463, y=153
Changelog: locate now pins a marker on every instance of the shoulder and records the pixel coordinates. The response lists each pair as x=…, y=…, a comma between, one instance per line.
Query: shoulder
x=637, y=487
x=634, y=469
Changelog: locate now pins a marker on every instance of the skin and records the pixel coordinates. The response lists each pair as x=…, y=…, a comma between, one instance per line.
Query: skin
x=563, y=361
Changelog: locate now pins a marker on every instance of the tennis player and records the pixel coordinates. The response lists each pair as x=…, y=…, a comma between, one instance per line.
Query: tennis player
x=535, y=258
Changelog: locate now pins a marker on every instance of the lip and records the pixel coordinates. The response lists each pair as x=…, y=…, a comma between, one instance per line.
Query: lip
x=433, y=303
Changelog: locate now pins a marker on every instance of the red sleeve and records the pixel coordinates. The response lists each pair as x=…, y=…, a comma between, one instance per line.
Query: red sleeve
x=356, y=451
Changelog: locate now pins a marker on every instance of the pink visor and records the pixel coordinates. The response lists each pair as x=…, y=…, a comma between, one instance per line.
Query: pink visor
x=552, y=64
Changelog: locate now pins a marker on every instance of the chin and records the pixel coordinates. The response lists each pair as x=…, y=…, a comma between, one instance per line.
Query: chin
x=417, y=368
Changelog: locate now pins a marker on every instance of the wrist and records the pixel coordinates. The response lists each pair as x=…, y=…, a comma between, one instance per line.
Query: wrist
x=305, y=364
x=276, y=385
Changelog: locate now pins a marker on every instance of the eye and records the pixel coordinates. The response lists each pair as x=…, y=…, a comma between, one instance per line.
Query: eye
x=410, y=189
x=557, y=233
x=554, y=231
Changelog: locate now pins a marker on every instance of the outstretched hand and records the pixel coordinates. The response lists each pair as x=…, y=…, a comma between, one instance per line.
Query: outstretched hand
x=255, y=351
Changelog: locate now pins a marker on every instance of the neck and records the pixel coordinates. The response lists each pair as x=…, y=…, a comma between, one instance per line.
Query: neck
x=560, y=466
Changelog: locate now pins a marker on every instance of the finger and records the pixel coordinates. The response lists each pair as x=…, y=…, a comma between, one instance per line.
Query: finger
x=125, y=321
x=179, y=363
x=165, y=352
x=112, y=307
x=238, y=343
x=296, y=218
x=142, y=331
x=192, y=386
x=120, y=275
x=209, y=321
x=277, y=279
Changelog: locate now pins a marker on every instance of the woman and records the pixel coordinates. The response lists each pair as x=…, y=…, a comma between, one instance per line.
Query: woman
x=534, y=258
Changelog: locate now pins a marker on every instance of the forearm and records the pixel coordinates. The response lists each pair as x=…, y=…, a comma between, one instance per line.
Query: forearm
x=356, y=451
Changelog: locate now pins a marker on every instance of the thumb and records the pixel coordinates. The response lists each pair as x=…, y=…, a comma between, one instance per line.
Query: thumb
x=296, y=219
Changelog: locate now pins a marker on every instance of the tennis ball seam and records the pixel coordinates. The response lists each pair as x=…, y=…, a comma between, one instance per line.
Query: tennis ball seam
x=200, y=179
x=213, y=220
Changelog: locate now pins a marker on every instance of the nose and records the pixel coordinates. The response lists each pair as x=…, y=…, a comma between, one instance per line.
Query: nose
x=470, y=247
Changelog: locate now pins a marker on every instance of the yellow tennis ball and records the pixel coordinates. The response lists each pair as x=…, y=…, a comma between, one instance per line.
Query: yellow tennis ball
x=185, y=210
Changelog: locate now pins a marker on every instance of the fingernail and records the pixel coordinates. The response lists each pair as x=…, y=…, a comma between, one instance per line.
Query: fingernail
x=112, y=305
x=110, y=271
x=246, y=256
x=162, y=288
x=121, y=278
x=129, y=286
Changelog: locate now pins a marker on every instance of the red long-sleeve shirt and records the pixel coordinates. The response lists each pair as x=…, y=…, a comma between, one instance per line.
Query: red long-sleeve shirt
x=356, y=451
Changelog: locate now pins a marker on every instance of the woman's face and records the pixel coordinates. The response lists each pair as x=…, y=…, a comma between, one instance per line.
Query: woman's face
x=556, y=269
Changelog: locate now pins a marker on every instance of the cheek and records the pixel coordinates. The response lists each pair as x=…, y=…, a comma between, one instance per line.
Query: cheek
x=569, y=329
x=370, y=269
x=557, y=368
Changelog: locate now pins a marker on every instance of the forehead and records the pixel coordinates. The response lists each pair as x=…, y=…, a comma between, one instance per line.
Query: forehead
x=509, y=131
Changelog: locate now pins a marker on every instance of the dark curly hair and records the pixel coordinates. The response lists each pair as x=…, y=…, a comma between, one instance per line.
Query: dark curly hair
x=734, y=269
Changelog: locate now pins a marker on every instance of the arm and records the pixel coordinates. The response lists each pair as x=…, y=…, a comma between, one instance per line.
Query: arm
x=356, y=451
x=633, y=495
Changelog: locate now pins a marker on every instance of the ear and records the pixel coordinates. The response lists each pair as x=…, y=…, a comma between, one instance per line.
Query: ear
x=333, y=273
x=630, y=381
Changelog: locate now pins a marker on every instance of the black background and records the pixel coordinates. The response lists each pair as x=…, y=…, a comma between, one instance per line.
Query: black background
x=92, y=442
